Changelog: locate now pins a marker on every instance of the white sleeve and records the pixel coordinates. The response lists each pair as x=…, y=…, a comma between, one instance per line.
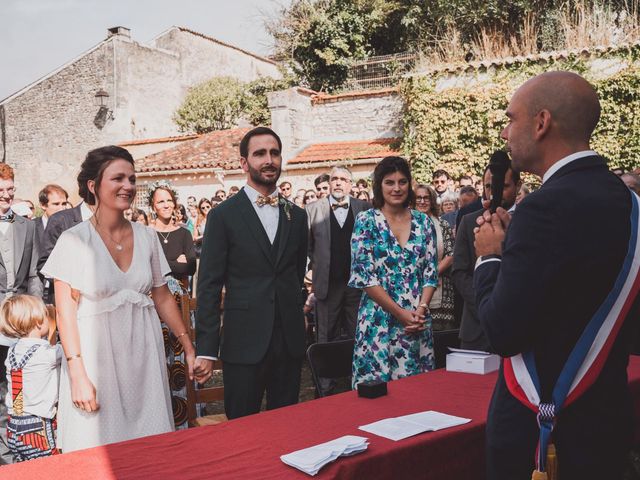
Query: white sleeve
x=66, y=261
x=159, y=265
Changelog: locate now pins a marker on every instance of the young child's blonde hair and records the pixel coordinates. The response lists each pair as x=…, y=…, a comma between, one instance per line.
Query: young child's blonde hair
x=20, y=314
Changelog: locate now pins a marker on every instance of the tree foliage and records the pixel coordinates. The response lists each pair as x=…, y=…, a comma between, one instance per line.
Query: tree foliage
x=220, y=103
x=216, y=104
x=321, y=38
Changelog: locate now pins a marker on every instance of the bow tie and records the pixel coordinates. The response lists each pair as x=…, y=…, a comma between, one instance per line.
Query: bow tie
x=8, y=217
x=268, y=200
x=337, y=205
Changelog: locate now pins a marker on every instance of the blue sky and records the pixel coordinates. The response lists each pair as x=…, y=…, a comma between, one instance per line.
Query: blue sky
x=38, y=36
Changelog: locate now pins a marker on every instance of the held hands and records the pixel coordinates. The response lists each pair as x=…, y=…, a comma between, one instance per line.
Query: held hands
x=182, y=259
x=202, y=370
x=490, y=232
x=83, y=394
x=413, y=320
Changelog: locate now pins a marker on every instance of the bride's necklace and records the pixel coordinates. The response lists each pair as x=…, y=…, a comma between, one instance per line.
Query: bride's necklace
x=118, y=245
x=164, y=239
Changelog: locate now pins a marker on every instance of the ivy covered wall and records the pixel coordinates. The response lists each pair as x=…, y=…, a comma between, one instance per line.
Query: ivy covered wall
x=458, y=128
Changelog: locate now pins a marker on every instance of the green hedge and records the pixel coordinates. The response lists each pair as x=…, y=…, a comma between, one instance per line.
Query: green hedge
x=458, y=128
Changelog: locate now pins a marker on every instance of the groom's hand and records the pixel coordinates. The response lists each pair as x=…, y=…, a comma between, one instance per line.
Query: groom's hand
x=203, y=369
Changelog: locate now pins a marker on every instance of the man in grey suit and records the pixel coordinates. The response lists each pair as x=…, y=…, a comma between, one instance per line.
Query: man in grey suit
x=464, y=260
x=331, y=221
x=18, y=274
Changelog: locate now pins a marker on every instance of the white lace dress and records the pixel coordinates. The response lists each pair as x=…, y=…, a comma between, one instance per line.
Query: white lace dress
x=120, y=337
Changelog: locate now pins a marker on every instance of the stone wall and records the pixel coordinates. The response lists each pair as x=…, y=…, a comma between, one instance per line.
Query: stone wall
x=302, y=119
x=50, y=124
x=49, y=127
x=202, y=57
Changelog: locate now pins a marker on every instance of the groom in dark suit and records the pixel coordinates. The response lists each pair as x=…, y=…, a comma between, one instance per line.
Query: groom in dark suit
x=255, y=245
x=539, y=284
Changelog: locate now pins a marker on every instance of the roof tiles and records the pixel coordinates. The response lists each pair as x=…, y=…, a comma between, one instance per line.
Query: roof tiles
x=352, y=150
x=219, y=149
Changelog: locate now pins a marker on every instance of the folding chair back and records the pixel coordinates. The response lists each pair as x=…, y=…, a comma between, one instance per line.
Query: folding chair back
x=330, y=360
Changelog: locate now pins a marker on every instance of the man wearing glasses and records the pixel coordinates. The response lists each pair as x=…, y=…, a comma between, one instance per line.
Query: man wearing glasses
x=322, y=185
x=18, y=260
x=441, y=183
x=285, y=190
x=331, y=223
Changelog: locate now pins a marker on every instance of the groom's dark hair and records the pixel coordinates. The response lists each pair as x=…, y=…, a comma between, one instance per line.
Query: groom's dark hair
x=244, y=143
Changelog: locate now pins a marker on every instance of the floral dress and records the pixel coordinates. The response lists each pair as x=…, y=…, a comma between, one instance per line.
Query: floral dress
x=382, y=348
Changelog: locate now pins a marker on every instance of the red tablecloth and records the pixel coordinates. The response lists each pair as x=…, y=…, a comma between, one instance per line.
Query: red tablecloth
x=250, y=447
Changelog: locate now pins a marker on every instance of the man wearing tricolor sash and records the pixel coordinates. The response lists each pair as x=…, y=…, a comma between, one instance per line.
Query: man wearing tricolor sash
x=557, y=293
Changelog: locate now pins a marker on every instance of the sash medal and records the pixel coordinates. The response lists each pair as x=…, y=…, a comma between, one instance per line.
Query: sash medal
x=587, y=357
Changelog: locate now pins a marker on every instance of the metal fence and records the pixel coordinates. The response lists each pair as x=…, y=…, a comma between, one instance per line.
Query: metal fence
x=381, y=71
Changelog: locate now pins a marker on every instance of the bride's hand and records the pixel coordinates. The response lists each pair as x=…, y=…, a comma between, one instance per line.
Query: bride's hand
x=83, y=394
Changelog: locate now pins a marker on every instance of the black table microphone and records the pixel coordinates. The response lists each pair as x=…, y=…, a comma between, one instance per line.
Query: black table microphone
x=498, y=166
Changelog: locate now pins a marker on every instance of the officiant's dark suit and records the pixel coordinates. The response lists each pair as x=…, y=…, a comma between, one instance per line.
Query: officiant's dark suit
x=563, y=250
x=263, y=340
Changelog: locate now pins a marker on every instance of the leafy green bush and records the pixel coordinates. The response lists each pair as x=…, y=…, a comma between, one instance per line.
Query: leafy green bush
x=458, y=128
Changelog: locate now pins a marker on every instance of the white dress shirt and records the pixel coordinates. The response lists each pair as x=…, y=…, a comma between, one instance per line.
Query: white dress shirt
x=566, y=161
x=268, y=215
x=340, y=213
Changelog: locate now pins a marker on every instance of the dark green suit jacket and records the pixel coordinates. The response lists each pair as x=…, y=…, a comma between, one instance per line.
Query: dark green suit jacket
x=237, y=254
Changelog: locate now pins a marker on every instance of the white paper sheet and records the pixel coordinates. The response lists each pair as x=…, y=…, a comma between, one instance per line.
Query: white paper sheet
x=407, y=426
x=311, y=460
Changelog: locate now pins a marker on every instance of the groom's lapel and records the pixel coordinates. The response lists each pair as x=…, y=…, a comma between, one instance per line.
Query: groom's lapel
x=250, y=217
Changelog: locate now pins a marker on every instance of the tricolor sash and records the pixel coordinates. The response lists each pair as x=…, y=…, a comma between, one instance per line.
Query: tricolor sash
x=589, y=354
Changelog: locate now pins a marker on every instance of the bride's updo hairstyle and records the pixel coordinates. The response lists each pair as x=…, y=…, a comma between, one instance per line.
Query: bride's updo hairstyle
x=94, y=165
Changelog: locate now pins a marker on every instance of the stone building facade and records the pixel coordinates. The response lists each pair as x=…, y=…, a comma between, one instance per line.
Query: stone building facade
x=47, y=127
x=303, y=117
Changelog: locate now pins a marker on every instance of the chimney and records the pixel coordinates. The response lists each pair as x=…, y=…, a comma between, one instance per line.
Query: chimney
x=124, y=31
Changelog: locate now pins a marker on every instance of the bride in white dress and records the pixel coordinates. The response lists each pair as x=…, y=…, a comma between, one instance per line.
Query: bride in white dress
x=114, y=383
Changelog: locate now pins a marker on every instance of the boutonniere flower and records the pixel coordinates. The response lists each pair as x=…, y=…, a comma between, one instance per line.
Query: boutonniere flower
x=286, y=205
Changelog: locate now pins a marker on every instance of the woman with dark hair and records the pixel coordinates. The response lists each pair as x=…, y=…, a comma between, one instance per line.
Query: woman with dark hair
x=441, y=305
x=309, y=197
x=363, y=195
x=114, y=384
x=393, y=259
x=139, y=216
x=204, y=207
x=181, y=218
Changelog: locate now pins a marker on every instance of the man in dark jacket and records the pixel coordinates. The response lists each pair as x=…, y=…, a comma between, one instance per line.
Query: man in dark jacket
x=553, y=273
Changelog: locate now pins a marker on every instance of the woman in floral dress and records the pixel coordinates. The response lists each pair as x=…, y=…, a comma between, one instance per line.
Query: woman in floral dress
x=393, y=259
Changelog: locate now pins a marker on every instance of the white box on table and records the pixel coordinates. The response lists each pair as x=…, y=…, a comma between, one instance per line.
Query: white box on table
x=471, y=361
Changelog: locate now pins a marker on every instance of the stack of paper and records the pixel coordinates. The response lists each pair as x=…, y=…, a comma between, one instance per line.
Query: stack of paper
x=409, y=425
x=312, y=459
